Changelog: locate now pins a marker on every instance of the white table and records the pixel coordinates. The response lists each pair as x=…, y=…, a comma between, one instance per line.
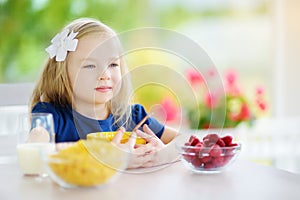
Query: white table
x=243, y=180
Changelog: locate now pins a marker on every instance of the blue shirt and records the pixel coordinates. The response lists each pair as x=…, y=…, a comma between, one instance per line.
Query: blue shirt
x=70, y=125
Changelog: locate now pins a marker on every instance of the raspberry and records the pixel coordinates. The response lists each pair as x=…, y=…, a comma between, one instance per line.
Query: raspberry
x=221, y=143
x=218, y=162
x=206, y=159
x=192, y=138
x=208, y=143
x=208, y=165
x=213, y=138
x=197, y=162
x=189, y=155
x=229, y=152
x=232, y=145
x=227, y=140
x=215, y=151
x=187, y=144
x=204, y=152
x=210, y=139
x=227, y=159
x=195, y=141
x=198, y=147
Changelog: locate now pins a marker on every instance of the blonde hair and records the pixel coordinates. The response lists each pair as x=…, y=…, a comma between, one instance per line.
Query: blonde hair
x=54, y=86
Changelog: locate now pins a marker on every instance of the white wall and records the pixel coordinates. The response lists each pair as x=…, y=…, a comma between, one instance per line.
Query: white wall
x=287, y=58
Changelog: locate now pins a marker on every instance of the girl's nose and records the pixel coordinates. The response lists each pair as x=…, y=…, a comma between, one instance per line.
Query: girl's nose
x=105, y=75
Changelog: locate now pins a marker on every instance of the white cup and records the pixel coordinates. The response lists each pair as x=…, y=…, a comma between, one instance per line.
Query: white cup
x=35, y=134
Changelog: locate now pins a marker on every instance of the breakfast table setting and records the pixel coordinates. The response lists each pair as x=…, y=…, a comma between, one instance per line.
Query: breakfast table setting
x=242, y=179
x=203, y=166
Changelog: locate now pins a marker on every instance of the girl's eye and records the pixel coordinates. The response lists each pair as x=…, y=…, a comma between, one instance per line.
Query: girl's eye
x=89, y=66
x=114, y=65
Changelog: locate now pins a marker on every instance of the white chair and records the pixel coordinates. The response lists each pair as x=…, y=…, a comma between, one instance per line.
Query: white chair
x=14, y=101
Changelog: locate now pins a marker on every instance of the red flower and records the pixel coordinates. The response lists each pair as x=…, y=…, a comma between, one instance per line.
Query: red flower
x=261, y=104
x=243, y=115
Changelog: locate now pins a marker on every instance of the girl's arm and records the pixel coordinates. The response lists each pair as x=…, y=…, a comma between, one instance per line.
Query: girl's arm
x=168, y=135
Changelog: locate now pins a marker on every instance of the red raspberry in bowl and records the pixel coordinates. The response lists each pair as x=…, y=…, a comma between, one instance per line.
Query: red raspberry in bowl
x=211, y=154
x=215, y=151
x=212, y=137
x=227, y=140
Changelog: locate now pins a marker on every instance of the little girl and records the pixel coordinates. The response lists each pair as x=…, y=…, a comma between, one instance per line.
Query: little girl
x=85, y=85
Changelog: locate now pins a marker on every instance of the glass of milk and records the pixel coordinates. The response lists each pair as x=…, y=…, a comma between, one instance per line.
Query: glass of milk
x=35, y=135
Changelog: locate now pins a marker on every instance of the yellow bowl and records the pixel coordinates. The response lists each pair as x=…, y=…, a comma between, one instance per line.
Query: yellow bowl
x=110, y=135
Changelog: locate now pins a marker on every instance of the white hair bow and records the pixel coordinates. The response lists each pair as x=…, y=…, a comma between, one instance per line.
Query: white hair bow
x=61, y=44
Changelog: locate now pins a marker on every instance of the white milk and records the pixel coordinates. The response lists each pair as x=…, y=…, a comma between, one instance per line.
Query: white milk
x=29, y=157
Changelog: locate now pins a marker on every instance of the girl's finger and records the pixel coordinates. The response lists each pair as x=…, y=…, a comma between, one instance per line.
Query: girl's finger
x=136, y=162
x=147, y=130
x=148, y=137
x=141, y=160
x=150, y=163
x=153, y=138
x=148, y=134
x=118, y=137
x=132, y=140
x=142, y=134
x=143, y=150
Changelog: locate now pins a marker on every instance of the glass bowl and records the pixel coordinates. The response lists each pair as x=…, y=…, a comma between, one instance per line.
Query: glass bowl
x=86, y=163
x=208, y=159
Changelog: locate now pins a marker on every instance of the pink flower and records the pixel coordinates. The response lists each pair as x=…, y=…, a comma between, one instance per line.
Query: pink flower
x=260, y=102
x=237, y=106
x=233, y=90
x=260, y=90
x=211, y=100
x=211, y=73
x=231, y=86
x=231, y=77
x=170, y=108
x=194, y=77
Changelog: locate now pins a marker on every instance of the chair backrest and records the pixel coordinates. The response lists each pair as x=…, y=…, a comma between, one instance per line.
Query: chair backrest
x=14, y=101
x=15, y=93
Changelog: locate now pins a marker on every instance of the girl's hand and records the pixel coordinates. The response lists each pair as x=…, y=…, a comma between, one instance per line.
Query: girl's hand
x=152, y=148
x=138, y=155
x=128, y=146
x=150, y=137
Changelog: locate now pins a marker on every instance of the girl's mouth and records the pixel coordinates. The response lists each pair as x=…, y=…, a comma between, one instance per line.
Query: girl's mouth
x=103, y=88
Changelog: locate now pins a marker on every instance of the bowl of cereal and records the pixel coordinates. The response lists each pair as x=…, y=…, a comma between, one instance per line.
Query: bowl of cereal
x=85, y=163
x=110, y=135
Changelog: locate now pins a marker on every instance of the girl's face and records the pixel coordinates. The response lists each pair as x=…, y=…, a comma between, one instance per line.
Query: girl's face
x=94, y=70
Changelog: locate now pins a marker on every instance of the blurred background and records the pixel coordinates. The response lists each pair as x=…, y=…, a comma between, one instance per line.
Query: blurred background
x=254, y=45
